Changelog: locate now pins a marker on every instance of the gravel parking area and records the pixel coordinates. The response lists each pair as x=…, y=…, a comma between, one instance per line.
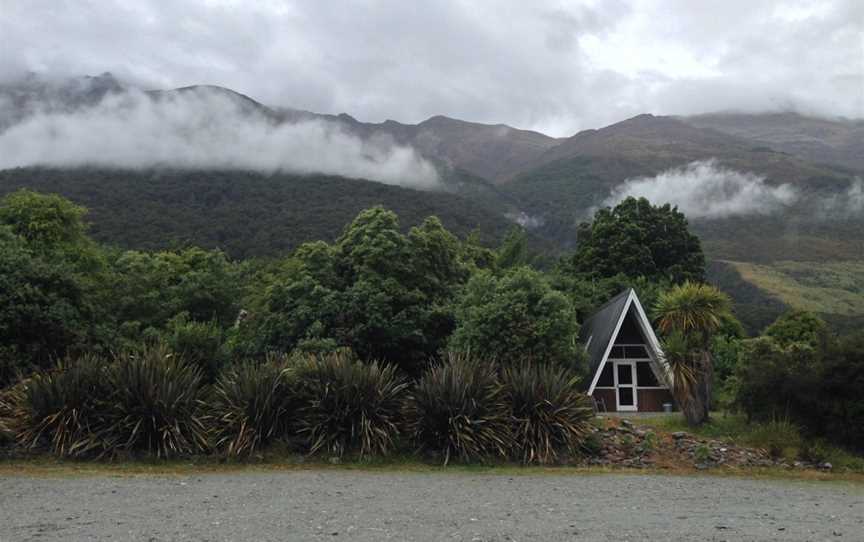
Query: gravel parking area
x=371, y=506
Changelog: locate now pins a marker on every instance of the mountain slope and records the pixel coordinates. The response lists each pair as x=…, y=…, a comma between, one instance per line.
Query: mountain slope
x=827, y=141
x=491, y=152
x=656, y=143
x=489, y=173
x=579, y=174
x=36, y=93
x=245, y=214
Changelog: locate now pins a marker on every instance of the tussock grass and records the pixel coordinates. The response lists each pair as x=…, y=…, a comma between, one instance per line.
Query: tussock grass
x=821, y=287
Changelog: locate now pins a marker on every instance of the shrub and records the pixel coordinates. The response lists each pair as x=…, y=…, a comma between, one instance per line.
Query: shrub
x=458, y=409
x=199, y=343
x=346, y=405
x=548, y=412
x=593, y=444
x=650, y=442
x=60, y=409
x=249, y=407
x=12, y=366
x=6, y=434
x=775, y=436
x=814, y=451
x=155, y=404
x=702, y=454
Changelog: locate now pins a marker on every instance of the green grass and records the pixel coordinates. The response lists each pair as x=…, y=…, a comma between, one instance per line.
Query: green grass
x=821, y=287
x=50, y=467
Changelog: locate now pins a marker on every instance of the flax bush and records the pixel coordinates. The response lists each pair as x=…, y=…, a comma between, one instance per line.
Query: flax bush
x=250, y=405
x=458, y=409
x=548, y=411
x=347, y=405
x=60, y=410
x=155, y=405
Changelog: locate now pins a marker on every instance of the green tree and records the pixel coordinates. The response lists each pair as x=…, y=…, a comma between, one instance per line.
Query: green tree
x=381, y=293
x=799, y=326
x=638, y=239
x=513, y=251
x=689, y=315
x=588, y=292
x=515, y=317
x=51, y=281
x=778, y=380
x=150, y=288
x=46, y=221
x=44, y=311
x=840, y=400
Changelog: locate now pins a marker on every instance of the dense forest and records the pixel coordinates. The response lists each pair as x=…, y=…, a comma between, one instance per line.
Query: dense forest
x=374, y=337
x=252, y=215
x=244, y=214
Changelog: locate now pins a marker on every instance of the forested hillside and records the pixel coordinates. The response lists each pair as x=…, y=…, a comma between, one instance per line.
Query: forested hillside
x=245, y=214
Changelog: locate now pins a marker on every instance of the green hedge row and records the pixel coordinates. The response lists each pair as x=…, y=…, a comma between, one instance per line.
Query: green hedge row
x=153, y=403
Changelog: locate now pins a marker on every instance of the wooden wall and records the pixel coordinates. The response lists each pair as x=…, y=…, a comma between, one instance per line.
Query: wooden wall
x=652, y=400
x=649, y=400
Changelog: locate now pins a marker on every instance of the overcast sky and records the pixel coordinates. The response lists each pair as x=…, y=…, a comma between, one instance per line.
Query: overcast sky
x=553, y=66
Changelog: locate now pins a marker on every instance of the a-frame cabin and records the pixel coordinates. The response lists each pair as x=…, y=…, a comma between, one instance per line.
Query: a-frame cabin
x=626, y=364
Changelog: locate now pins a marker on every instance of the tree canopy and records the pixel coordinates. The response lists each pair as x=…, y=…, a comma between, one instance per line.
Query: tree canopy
x=638, y=239
x=516, y=316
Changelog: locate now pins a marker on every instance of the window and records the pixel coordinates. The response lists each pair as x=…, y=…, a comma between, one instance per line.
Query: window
x=625, y=375
x=607, y=378
x=625, y=396
x=628, y=352
x=645, y=377
x=635, y=352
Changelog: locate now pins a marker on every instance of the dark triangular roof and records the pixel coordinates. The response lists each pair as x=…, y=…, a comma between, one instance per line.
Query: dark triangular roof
x=597, y=331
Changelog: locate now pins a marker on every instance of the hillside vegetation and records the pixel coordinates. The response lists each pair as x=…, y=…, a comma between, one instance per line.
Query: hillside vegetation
x=244, y=214
x=822, y=287
x=492, y=176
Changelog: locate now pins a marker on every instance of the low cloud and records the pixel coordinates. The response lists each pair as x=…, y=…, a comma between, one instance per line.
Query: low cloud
x=704, y=189
x=525, y=220
x=203, y=128
x=847, y=204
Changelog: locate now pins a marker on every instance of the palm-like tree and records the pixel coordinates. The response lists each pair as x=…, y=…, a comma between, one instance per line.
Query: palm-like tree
x=688, y=315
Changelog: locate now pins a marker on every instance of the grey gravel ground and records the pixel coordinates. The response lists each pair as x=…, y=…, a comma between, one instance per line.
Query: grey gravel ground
x=371, y=506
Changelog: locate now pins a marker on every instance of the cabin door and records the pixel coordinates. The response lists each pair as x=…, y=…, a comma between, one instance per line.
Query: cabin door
x=625, y=385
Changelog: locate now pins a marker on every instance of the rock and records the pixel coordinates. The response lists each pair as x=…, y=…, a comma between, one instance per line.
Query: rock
x=626, y=423
x=826, y=466
x=678, y=435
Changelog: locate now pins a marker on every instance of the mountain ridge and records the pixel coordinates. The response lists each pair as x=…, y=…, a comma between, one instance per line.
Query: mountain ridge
x=497, y=175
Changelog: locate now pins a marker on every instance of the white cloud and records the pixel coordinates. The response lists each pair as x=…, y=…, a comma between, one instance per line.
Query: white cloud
x=545, y=64
x=203, y=129
x=704, y=189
